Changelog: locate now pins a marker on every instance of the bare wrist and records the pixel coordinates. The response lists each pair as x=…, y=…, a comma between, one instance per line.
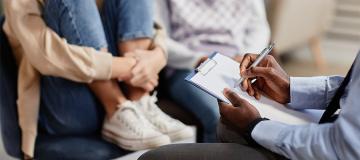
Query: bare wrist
x=122, y=66
x=161, y=57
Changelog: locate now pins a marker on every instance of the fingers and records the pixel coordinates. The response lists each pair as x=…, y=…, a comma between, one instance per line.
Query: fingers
x=244, y=85
x=257, y=93
x=250, y=89
x=233, y=97
x=137, y=80
x=246, y=62
x=139, y=67
x=238, y=58
x=141, y=75
x=264, y=72
x=154, y=81
x=148, y=87
x=145, y=84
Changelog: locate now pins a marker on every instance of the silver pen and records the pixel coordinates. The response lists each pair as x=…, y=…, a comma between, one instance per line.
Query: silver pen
x=258, y=59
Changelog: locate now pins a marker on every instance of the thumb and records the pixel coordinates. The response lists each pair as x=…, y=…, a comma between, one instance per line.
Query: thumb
x=233, y=97
x=225, y=109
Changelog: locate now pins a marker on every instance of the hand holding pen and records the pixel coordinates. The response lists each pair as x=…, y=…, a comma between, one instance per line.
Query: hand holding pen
x=271, y=80
x=258, y=59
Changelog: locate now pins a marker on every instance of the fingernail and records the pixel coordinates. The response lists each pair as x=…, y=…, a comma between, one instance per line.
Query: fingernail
x=243, y=72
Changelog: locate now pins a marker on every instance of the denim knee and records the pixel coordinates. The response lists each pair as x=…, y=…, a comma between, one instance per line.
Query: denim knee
x=129, y=19
x=210, y=121
x=77, y=21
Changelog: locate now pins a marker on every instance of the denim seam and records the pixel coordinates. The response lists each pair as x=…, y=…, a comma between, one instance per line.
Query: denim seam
x=134, y=35
x=71, y=17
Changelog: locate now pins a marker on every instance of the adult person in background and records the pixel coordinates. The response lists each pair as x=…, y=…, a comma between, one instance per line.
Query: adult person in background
x=64, y=67
x=198, y=28
x=335, y=137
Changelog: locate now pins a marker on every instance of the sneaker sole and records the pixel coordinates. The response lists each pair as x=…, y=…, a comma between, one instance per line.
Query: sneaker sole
x=181, y=134
x=135, y=145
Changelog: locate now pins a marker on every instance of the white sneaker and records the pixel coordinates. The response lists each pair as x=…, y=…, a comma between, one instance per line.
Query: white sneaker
x=175, y=129
x=129, y=129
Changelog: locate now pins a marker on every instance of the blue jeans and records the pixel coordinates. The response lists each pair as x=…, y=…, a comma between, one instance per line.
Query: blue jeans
x=69, y=109
x=201, y=104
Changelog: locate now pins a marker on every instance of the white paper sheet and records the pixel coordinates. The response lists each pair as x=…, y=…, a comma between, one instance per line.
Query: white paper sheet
x=226, y=73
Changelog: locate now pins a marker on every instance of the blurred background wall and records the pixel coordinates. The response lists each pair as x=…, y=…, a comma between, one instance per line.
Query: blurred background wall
x=346, y=24
x=315, y=37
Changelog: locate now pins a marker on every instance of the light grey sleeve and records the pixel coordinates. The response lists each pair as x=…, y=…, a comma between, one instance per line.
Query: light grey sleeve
x=338, y=140
x=313, y=92
x=180, y=56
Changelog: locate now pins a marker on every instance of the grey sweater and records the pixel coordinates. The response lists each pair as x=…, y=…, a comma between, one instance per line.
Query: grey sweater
x=182, y=57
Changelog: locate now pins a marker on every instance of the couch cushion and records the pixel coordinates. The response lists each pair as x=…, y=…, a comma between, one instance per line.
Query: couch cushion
x=8, y=87
x=76, y=148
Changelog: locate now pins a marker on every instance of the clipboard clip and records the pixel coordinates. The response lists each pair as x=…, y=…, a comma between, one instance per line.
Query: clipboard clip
x=206, y=66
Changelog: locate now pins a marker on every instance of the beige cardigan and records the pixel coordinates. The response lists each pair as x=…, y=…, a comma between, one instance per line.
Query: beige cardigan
x=40, y=51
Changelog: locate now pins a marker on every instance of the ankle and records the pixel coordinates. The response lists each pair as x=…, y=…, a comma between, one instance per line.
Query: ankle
x=113, y=106
x=138, y=96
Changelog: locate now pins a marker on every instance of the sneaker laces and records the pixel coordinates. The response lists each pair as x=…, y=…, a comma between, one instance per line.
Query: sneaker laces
x=139, y=124
x=159, y=118
x=153, y=108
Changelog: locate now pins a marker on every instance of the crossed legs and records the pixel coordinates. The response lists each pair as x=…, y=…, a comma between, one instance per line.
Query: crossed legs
x=70, y=108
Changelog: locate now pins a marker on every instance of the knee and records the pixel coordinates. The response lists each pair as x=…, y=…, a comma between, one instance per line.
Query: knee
x=210, y=121
x=56, y=8
x=227, y=134
x=131, y=4
x=137, y=8
x=210, y=125
x=220, y=135
x=135, y=19
x=77, y=21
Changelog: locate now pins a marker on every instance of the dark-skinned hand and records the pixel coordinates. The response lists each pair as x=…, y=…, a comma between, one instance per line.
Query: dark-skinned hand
x=271, y=80
x=239, y=114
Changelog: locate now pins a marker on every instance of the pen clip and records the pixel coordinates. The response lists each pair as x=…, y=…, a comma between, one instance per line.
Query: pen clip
x=206, y=66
